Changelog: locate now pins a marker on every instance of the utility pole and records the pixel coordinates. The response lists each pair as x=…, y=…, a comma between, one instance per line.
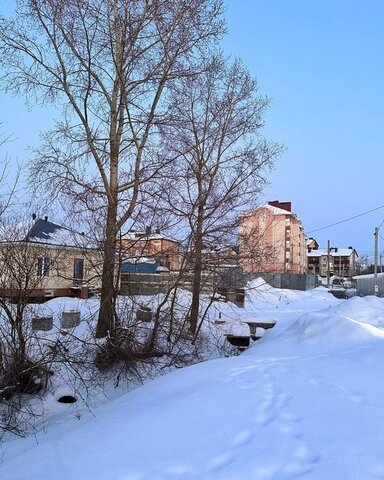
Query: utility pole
x=375, y=285
x=328, y=262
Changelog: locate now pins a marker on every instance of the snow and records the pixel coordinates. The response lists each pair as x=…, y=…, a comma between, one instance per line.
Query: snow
x=323, y=252
x=137, y=236
x=305, y=401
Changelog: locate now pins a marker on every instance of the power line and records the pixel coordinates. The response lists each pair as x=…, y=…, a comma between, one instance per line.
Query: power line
x=347, y=220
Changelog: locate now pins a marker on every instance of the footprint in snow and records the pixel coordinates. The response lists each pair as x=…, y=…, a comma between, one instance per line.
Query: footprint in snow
x=266, y=405
x=291, y=417
x=221, y=461
x=304, y=453
x=267, y=472
x=356, y=398
x=242, y=438
x=315, y=381
x=294, y=470
x=290, y=430
x=282, y=400
x=269, y=389
x=266, y=418
x=178, y=470
x=246, y=385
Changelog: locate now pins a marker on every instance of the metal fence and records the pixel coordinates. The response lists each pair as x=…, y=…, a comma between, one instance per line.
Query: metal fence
x=227, y=278
x=291, y=281
x=365, y=284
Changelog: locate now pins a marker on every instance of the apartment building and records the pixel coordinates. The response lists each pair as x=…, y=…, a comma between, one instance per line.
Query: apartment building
x=272, y=240
x=342, y=262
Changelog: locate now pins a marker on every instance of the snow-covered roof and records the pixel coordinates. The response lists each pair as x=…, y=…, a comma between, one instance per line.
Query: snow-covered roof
x=311, y=240
x=341, y=252
x=43, y=231
x=277, y=210
x=274, y=210
x=137, y=236
x=136, y=260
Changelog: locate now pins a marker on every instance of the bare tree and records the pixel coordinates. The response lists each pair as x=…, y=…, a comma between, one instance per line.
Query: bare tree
x=8, y=185
x=222, y=157
x=108, y=64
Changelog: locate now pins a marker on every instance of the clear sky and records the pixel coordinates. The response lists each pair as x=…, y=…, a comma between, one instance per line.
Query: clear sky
x=322, y=63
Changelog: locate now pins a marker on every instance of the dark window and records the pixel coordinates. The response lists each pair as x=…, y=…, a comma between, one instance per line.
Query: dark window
x=43, y=265
x=78, y=269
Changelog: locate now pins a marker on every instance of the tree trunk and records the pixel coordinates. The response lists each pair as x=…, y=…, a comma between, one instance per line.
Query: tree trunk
x=196, y=288
x=106, y=320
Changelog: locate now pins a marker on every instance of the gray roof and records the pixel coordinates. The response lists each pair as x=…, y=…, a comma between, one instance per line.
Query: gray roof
x=44, y=231
x=41, y=230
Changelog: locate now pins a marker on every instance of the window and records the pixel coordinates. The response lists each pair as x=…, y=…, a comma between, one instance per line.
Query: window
x=78, y=270
x=43, y=265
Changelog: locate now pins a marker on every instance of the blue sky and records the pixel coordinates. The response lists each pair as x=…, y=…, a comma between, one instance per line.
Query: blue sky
x=321, y=62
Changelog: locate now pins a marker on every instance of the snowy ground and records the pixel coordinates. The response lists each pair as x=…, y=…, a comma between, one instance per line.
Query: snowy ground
x=304, y=402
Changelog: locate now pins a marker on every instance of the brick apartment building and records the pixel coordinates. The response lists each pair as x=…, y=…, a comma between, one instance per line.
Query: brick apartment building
x=272, y=240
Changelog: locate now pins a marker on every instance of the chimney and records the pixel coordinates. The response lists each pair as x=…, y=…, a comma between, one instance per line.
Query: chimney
x=148, y=230
x=350, y=248
x=283, y=205
x=46, y=218
x=33, y=216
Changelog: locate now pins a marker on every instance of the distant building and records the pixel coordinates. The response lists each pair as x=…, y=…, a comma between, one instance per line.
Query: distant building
x=342, y=262
x=154, y=246
x=272, y=240
x=311, y=244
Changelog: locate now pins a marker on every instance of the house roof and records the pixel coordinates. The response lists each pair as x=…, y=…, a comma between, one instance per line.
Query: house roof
x=341, y=252
x=311, y=240
x=274, y=210
x=277, y=210
x=43, y=231
x=137, y=236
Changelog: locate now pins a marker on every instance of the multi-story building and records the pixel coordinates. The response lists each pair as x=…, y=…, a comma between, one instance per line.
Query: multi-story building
x=272, y=240
x=342, y=262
